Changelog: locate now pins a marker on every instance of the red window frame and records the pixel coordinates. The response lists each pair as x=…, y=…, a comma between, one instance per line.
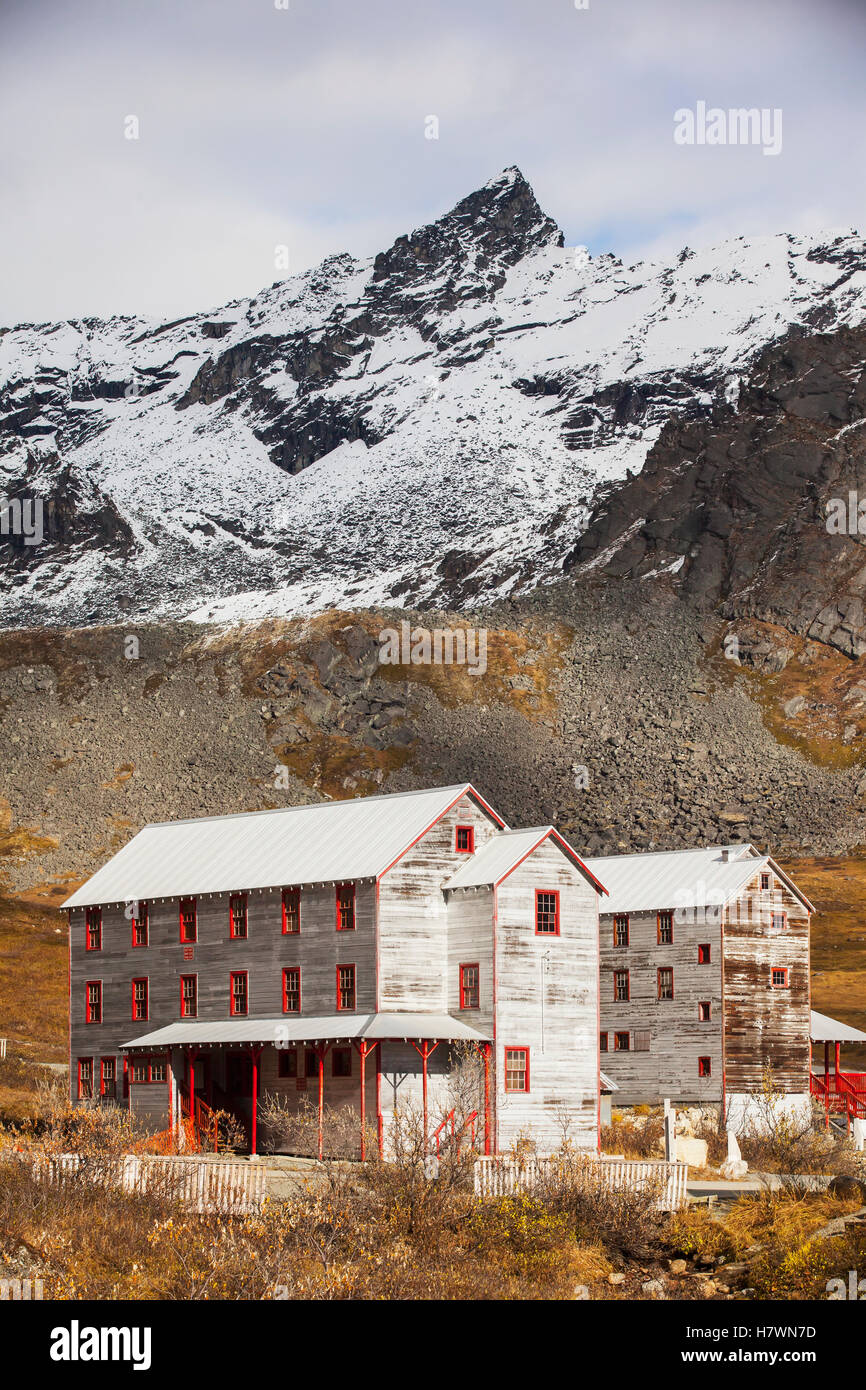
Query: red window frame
x=618, y=919
x=187, y=903
x=343, y=989
x=779, y=970
x=141, y=1017
x=668, y=914
x=345, y=906
x=619, y=1045
x=237, y=997
x=602, y=1042
x=705, y=1066
x=140, y=926
x=139, y=1064
x=782, y=917
x=93, y=928
x=287, y=1063
x=185, y=1000
x=619, y=998
x=545, y=912
x=291, y=903
x=295, y=972
x=93, y=1007
x=705, y=1011
x=241, y=900
x=467, y=832
x=524, y=1070
x=345, y=1055
x=470, y=989
x=83, y=1064
x=705, y=953
x=103, y=1078
x=666, y=984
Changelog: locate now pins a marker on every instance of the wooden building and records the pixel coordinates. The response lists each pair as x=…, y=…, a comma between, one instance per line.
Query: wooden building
x=340, y=952
x=704, y=977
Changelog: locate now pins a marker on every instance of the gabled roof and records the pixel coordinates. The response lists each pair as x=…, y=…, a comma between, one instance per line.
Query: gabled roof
x=503, y=852
x=824, y=1029
x=316, y=1028
x=708, y=877
x=325, y=842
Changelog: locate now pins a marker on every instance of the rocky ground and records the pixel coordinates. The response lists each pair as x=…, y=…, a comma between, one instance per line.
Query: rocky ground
x=610, y=713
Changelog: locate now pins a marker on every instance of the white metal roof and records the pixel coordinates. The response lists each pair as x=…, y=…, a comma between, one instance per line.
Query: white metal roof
x=824, y=1029
x=503, y=852
x=681, y=878
x=607, y=1084
x=322, y=1027
x=325, y=842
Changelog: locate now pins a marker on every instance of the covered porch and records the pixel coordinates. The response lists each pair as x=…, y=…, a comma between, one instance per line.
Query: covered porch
x=840, y=1092
x=231, y=1064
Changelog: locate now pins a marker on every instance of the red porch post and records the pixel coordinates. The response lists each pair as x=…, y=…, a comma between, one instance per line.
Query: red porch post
x=827, y=1067
x=255, y=1055
x=192, y=1054
x=838, y=1046
x=364, y=1049
x=485, y=1050
x=426, y=1051
x=321, y=1053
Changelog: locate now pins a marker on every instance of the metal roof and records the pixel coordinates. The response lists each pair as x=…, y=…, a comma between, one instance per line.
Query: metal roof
x=504, y=851
x=325, y=842
x=316, y=1028
x=607, y=1084
x=707, y=877
x=824, y=1029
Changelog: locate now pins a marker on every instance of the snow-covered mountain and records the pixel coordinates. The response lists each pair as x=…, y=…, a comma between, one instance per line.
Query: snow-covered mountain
x=431, y=426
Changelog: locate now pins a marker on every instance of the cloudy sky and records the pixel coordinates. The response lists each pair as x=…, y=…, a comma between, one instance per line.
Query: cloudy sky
x=305, y=126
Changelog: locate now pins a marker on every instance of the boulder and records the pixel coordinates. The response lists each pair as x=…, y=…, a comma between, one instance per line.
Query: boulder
x=692, y=1151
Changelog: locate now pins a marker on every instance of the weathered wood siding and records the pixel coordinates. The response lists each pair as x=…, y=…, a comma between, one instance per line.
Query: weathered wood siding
x=413, y=922
x=677, y=1038
x=547, y=1001
x=765, y=1025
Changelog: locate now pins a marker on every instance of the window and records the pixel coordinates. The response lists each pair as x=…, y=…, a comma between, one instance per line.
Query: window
x=291, y=911
x=345, y=907
x=287, y=1064
x=704, y=955
x=602, y=1042
x=157, y=1070
x=666, y=982
x=345, y=987
x=779, y=978
x=765, y=883
x=620, y=1042
x=666, y=927
x=620, y=929
x=341, y=1061
x=93, y=1001
x=93, y=928
x=311, y=1063
x=85, y=1078
x=108, y=1077
x=546, y=912
x=517, y=1068
x=292, y=990
x=140, y=924
x=238, y=994
x=139, y=1070
x=620, y=987
x=139, y=1001
x=642, y=1040
x=779, y=922
x=238, y=915
x=464, y=839
x=188, y=921
x=705, y=1066
x=469, y=987
x=189, y=996
x=705, y=1011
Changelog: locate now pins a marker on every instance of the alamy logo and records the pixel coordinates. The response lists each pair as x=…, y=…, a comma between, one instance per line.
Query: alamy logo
x=77, y=1343
x=740, y=125
x=846, y=518
x=22, y=516
x=20, y=1290
x=419, y=646
x=855, y=1290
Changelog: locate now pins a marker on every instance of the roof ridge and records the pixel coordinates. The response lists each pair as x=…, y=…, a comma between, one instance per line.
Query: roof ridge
x=311, y=805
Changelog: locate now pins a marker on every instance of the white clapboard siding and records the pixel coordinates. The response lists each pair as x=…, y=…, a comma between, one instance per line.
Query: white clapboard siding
x=498, y=1177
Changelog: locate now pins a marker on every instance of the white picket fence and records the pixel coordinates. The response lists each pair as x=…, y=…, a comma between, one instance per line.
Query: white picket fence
x=200, y=1184
x=498, y=1177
